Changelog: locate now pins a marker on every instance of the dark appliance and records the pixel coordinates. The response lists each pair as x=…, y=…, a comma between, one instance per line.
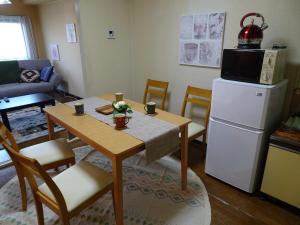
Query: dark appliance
x=264, y=66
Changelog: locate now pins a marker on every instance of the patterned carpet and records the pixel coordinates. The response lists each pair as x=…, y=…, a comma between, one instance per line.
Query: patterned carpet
x=152, y=196
x=26, y=124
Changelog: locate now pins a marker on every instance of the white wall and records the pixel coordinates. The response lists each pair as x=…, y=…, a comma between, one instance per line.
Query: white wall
x=155, y=38
x=147, y=41
x=54, y=16
x=106, y=63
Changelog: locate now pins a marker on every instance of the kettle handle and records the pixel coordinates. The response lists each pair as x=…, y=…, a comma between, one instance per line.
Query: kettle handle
x=263, y=25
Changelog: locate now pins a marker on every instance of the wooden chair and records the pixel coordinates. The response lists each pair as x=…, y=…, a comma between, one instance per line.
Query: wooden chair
x=158, y=89
x=51, y=154
x=68, y=193
x=196, y=130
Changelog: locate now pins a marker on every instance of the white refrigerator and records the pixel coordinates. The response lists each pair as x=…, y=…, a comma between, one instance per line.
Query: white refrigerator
x=242, y=117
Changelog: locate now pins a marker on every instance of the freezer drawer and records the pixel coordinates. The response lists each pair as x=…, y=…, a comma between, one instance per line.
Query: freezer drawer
x=253, y=105
x=233, y=154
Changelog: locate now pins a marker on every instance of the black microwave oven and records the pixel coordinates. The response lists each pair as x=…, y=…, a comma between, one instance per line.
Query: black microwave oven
x=262, y=66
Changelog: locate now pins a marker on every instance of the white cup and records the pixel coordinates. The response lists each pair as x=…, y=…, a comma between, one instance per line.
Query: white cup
x=119, y=96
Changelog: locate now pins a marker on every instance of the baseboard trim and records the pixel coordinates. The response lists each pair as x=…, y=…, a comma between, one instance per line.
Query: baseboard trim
x=68, y=94
x=280, y=203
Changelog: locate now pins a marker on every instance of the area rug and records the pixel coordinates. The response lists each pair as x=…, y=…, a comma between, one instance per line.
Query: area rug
x=26, y=124
x=152, y=196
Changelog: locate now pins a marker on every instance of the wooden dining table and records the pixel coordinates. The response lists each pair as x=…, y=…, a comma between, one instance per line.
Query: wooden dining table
x=114, y=144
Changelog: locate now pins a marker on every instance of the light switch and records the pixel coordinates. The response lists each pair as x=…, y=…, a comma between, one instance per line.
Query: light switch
x=111, y=34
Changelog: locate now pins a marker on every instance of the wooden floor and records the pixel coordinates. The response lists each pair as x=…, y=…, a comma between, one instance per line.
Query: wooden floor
x=229, y=205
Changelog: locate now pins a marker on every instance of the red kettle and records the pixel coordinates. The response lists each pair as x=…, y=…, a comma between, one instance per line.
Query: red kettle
x=251, y=35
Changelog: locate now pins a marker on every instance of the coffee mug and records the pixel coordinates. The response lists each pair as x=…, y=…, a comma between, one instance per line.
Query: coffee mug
x=119, y=96
x=79, y=108
x=121, y=120
x=150, y=107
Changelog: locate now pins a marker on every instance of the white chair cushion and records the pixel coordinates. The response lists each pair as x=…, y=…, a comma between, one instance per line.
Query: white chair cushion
x=78, y=183
x=49, y=152
x=194, y=128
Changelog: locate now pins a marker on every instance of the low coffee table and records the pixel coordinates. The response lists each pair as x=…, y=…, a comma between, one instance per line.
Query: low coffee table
x=20, y=102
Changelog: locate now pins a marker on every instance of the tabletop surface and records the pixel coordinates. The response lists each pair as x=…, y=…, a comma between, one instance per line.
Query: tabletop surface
x=102, y=135
x=25, y=100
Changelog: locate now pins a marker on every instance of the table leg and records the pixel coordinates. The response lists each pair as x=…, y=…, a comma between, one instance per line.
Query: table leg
x=50, y=127
x=184, y=155
x=42, y=106
x=118, y=189
x=5, y=120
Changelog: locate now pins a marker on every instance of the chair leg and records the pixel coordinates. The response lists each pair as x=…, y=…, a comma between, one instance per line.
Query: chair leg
x=39, y=211
x=23, y=193
x=22, y=185
x=204, y=141
x=65, y=220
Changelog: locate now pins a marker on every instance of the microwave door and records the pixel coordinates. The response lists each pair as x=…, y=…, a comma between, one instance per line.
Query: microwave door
x=242, y=65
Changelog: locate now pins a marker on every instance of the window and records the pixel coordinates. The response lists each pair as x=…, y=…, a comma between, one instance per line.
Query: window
x=16, y=39
x=12, y=42
x=4, y=2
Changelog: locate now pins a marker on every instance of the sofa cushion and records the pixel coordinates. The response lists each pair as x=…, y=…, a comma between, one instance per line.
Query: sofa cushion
x=17, y=89
x=34, y=64
x=9, y=72
x=46, y=73
x=29, y=76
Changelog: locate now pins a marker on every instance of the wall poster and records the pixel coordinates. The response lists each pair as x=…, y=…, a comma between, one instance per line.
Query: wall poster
x=71, y=33
x=54, y=52
x=201, y=39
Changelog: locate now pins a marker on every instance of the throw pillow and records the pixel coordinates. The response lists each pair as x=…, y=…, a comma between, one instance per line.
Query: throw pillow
x=46, y=73
x=30, y=76
x=9, y=72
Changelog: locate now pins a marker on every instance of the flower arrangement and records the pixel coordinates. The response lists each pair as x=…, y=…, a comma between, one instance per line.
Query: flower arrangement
x=121, y=107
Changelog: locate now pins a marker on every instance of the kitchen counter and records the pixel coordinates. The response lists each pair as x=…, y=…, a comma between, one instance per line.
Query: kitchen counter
x=286, y=138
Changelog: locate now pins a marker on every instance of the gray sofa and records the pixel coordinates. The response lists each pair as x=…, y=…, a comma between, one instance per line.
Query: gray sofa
x=17, y=89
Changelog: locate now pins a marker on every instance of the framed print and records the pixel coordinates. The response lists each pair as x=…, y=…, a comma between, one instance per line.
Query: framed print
x=54, y=52
x=201, y=39
x=71, y=33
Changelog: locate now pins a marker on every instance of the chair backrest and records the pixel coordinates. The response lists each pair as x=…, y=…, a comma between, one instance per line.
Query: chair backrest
x=7, y=137
x=158, y=89
x=203, y=100
x=30, y=169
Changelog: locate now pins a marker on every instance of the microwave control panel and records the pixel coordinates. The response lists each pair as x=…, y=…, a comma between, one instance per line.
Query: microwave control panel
x=273, y=66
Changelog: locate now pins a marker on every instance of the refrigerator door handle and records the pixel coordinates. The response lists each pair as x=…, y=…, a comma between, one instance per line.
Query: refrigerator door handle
x=236, y=126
